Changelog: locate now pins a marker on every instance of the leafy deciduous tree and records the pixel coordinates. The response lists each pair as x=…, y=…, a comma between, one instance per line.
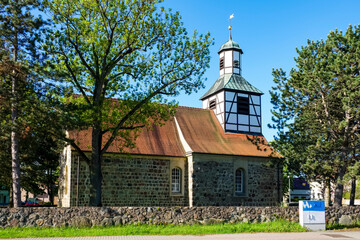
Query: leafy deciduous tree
x=132, y=50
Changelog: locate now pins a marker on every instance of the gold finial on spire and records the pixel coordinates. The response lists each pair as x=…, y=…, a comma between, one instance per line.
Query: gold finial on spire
x=231, y=17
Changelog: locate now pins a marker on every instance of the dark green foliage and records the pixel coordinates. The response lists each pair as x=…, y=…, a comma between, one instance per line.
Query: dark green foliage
x=316, y=109
x=23, y=109
x=40, y=162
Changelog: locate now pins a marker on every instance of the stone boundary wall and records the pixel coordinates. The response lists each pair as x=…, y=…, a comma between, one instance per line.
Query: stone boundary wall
x=106, y=216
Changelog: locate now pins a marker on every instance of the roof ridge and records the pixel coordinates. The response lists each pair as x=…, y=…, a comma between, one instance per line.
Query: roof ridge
x=193, y=108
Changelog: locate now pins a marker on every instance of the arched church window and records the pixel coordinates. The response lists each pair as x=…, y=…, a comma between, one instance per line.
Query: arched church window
x=239, y=180
x=176, y=180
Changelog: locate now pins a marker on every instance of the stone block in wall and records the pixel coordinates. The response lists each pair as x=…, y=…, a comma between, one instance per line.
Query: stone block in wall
x=107, y=222
x=80, y=221
x=345, y=220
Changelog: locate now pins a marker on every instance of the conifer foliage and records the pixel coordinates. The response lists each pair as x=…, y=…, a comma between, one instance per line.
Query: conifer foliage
x=317, y=109
x=20, y=69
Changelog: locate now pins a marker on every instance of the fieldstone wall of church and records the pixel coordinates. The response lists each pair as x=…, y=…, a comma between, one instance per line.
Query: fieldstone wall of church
x=214, y=182
x=263, y=185
x=129, y=181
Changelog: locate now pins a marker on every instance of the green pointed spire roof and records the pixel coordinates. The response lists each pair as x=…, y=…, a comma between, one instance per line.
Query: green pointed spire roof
x=230, y=45
x=231, y=82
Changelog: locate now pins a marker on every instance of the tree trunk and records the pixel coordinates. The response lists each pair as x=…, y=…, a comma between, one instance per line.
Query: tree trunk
x=51, y=187
x=50, y=193
x=15, y=164
x=11, y=197
x=286, y=200
x=95, y=168
x=352, y=193
x=327, y=194
x=339, y=188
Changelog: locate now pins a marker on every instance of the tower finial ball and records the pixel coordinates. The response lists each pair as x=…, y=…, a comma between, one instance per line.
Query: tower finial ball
x=230, y=27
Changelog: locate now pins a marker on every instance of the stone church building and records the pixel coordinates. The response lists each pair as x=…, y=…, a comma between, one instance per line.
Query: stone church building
x=214, y=156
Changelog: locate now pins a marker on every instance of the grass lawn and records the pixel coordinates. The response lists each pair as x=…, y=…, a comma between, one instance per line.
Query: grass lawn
x=276, y=226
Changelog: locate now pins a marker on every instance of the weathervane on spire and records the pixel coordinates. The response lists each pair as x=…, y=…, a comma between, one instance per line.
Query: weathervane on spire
x=231, y=17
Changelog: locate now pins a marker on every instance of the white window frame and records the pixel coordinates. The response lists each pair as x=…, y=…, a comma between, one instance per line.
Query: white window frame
x=239, y=181
x=176, y=175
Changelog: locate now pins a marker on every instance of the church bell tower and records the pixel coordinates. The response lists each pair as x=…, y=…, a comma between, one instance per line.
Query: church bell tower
x=235, y=102
x=230, y=57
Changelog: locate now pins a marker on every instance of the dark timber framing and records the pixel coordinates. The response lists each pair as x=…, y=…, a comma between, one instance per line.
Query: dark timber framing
x=242, y=121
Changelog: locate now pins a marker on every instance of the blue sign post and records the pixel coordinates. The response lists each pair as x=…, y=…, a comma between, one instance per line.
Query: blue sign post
x=312, y=215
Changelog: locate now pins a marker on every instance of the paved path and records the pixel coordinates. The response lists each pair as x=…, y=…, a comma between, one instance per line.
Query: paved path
x=328, y=235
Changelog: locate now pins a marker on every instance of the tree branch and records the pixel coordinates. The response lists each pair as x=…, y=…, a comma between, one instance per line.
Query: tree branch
x=132, y=112
x=75, y=79
x=76, y=47
x=81, y=153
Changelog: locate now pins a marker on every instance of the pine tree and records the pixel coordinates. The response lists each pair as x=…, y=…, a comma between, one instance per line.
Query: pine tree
x=19, y=32
x=317, y=109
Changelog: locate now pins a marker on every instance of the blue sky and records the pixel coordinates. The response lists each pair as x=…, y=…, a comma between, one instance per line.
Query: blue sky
x=268, y=32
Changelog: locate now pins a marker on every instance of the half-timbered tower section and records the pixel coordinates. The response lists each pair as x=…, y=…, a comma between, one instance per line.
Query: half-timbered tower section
x=235, y=102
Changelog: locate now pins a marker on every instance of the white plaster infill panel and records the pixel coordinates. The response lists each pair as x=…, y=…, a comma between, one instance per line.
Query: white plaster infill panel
x=205, y=103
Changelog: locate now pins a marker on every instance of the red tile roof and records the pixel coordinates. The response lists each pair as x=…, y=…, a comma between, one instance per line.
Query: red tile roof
x=160, y=141
x=201, y=131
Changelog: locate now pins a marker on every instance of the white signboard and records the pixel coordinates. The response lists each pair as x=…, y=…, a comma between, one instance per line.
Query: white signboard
x=312, y=215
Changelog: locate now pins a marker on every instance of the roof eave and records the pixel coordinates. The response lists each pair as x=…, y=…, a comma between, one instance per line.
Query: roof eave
x=231, y=48
x=230, y=89
x=211, y=94
x=243, y=91
x=242, y=155
x=137, y=154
